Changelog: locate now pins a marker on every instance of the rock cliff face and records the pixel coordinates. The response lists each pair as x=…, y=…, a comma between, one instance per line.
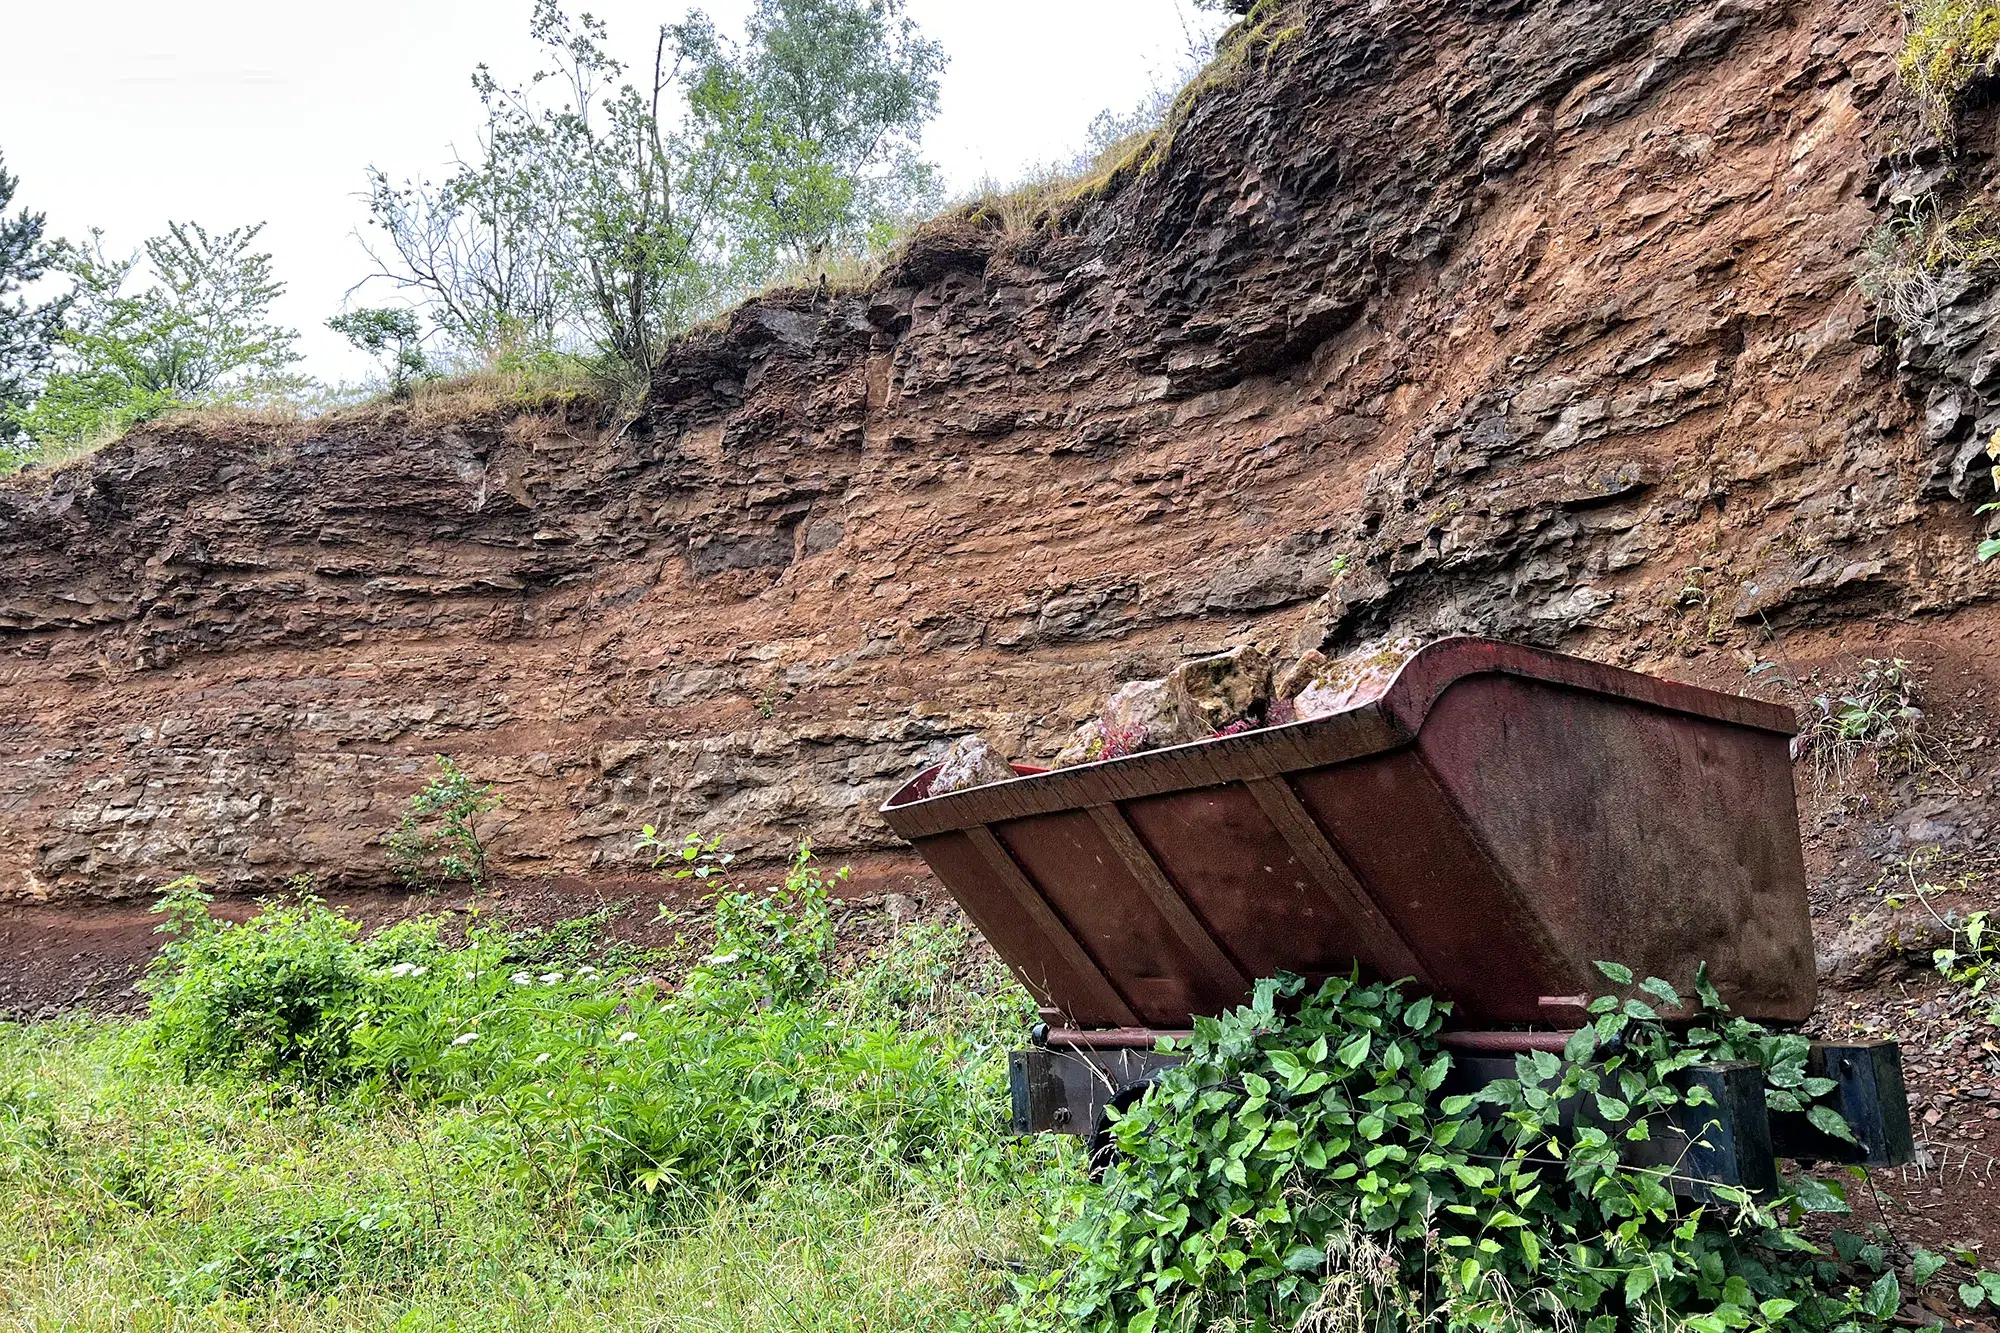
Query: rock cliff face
x=1527, y=317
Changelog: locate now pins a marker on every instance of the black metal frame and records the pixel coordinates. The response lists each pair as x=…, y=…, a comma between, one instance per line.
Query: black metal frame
x=1736, y=1141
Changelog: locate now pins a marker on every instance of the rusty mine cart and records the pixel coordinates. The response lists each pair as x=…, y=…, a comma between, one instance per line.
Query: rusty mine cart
x=1493, y=822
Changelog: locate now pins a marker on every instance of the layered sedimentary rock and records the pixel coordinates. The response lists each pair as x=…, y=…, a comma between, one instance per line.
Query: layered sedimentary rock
x=1533, y=318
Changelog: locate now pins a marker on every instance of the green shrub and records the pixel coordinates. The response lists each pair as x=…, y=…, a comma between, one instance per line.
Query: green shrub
x=582, y=1081
x=269, y=996
x=438, y=840
x=1304, y=1170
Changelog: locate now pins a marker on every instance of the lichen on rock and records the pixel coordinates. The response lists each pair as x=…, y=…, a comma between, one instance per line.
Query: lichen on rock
x=1225, y=690
x=1317, y=687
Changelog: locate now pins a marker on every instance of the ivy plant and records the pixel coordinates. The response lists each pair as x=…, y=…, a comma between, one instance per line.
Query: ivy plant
x=1311, y=1165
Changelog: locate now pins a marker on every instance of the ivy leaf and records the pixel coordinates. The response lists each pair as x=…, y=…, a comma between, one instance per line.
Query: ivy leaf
x=1774, y=1310
x=1611, y=1108
x=1582, y=1045
x=1924, y=1266
x=1304, y=1259
x=1970, y=1295
x=1884, y=1298
x=1828, y=1121
x=1619, y=975
x=1355, y=1050
x=1820, y=1196
x=1143, y=1321
x=1991, y=1282
x=1419, y=1013
x=1662, y=992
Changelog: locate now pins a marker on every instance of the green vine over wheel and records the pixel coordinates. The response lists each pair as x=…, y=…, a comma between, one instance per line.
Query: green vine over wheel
x=1304, y=1170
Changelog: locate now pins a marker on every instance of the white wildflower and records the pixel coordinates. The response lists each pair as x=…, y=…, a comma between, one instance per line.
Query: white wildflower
x=724, y=959
x=551, y=978
x=542, y=1059
x=627, y=1036
x=523, y=979
x=465, y=1040
x=586, y=971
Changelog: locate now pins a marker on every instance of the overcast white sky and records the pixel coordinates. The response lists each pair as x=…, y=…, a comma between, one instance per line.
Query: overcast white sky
x=123, y=114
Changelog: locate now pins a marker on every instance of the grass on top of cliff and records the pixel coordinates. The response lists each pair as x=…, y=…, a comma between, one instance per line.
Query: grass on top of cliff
x=313, y=1130
x=509, y=386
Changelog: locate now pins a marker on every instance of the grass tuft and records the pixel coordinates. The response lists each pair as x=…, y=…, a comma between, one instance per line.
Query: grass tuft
x=1950, y=43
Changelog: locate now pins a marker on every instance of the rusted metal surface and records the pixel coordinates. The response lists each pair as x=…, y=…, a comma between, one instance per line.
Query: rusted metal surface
x=1507, y=1043
x=1496, y=820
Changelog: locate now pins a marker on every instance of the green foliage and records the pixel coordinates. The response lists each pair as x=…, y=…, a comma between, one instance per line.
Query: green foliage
x=587, y=219
x=1970, y=957
x=583, y=1082
x=776, y=946
x=27, y=331
x=1302, y=1169
x=438, y=840
x=1949, y=43
x=270, y=996
x=132, y=1198
x=201, y=333
x=395, y=335
x=1876, y=713
x=819, y=114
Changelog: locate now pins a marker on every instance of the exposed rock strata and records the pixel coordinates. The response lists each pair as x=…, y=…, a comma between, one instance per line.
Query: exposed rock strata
x=1532, y=317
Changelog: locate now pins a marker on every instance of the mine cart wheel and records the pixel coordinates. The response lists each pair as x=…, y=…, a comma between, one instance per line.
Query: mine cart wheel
x=1104, y=1147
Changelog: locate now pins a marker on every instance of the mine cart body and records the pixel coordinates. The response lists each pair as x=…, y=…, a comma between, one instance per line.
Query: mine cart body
x=1490, y=825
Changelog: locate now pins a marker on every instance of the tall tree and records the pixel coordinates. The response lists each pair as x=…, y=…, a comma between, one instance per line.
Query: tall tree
x=201, y=332
x=822, y=106
x=592, y=216
x=27, y=329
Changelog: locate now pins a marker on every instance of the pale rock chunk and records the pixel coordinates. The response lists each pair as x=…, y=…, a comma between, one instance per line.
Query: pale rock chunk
x=1148, y=715
x=970, y=762
x=1324, y=688
x=1225, y=691
x=1085, y=747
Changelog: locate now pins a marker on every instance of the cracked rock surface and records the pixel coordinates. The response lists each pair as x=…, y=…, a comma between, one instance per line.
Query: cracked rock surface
x=1532, y=318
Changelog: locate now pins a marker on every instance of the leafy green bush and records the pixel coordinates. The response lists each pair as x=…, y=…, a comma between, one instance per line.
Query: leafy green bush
x=271, y=996
x=1305, y=1170
x=581, y=1080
